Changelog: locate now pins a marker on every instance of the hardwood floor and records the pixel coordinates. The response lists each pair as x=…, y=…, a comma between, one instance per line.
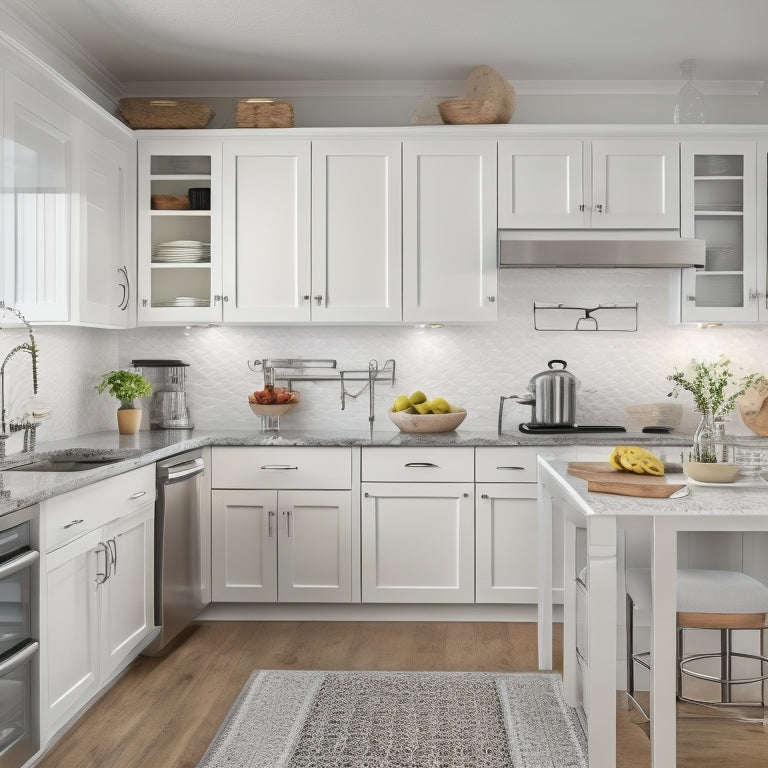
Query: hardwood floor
x=164, y=711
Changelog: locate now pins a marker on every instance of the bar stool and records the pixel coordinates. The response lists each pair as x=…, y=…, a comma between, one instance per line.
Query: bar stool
x=728, y=601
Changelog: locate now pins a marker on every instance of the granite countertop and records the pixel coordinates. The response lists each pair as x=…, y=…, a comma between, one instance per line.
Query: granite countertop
x=747, y=496
x=22, y=489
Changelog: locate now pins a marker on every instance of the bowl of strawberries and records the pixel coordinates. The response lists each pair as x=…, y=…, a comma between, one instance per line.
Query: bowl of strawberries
x=272, y=401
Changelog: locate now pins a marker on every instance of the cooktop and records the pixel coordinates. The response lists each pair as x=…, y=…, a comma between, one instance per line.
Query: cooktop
x=544, y=429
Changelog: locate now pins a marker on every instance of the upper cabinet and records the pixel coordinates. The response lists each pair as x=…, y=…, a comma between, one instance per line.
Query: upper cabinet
x=38, y=160
x=719, y=205
x=179, y=266
x=107, y=274
x=602, y=184
x=449, y=230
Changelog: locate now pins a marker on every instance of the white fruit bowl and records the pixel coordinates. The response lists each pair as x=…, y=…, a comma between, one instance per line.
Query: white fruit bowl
x=274, y=409
x=427, y=422
x=711, y=472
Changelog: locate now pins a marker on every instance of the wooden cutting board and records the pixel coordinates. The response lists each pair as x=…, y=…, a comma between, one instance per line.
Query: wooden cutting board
x=601, y=477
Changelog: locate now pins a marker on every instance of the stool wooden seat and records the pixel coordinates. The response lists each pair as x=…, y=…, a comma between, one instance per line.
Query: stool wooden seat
x=727, y=601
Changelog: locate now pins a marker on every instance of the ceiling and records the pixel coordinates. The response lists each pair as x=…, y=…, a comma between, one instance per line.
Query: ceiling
x=256, y=40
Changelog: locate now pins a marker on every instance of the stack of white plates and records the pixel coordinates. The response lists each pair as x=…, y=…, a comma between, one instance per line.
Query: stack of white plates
x=182, y=301
x=181, y=251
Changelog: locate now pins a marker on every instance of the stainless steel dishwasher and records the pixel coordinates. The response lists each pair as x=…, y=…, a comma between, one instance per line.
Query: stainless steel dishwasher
x=179, y=581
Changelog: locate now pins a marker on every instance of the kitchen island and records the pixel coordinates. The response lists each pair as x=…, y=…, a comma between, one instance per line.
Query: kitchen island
x=598, y=520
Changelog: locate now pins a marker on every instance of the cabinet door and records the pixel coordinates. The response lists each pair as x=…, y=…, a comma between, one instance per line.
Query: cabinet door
x=356, y=231
x=506, y=540
x=72, y=611
x=128, y=610
x=418, y=543
x=719, y=203
x=38, y=194
x=107, y=240
x=244, y=546
x=315, y=546
x=179, y=250
x=449, y=230
x=541, y=184
x=636, y=184
x=266, y=219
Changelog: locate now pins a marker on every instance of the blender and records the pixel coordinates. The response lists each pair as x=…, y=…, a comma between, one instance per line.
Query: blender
x=168, y=407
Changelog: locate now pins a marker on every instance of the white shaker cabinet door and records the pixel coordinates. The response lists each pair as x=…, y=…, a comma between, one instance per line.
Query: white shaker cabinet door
x=356, y=231
x=418, y=543
x=315, y=546
x=541, y=184
x=636, y=184
x=507, y=538
x=449, y=230
x=266, y=231
x=244, y=546
x=128, y=613
x=38, y=157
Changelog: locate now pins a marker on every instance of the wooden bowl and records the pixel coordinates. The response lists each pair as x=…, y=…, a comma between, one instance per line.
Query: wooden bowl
x=426, y=423
x=467, y=111
x=711, y=472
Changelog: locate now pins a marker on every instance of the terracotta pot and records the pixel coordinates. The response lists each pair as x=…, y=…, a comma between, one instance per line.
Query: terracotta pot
x=129, y=420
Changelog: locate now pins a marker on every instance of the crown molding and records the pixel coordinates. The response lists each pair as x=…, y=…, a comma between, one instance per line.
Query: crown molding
x=356, y=89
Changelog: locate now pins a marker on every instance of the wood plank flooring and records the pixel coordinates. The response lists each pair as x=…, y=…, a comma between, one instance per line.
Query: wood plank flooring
x=164, y=711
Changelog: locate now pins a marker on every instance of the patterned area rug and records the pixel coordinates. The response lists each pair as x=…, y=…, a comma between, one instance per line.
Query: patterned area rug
x=294, y=719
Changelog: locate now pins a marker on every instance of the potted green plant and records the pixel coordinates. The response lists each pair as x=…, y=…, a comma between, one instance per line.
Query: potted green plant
x=126, y=386
x=715, y=389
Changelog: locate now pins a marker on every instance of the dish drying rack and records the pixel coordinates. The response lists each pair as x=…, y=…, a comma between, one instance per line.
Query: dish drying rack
x=292, y=369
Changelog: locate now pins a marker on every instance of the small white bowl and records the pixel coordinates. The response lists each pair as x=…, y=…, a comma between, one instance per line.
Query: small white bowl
x=425, y=423
x=710, y=472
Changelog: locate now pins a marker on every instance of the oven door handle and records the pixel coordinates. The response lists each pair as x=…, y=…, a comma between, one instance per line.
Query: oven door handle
x=22, y=561
x=22, y=657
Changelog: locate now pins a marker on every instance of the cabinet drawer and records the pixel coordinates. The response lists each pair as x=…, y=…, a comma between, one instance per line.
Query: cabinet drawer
x=420, y=465
x=506, y=465
x=268, y=467
x=72, y=514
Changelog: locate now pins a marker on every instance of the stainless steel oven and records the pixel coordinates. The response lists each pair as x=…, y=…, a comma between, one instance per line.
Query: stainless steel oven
x=19, y=587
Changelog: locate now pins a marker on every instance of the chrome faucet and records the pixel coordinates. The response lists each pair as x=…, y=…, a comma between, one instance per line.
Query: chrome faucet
x=29, y=427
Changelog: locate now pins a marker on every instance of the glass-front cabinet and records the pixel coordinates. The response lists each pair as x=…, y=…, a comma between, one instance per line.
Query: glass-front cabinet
x=179, y=237
x=718, y=205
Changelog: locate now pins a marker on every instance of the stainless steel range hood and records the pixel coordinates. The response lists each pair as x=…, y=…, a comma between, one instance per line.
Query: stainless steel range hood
x=646, y=249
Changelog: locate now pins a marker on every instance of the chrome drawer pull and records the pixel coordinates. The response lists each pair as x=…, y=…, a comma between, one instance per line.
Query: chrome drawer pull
x=510, y=467
x=421, y=464
x=74, y=522
x=278, y=466
x=137, y=495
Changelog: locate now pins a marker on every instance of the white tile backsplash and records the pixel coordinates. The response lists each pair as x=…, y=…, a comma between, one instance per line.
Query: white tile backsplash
x=471, y=366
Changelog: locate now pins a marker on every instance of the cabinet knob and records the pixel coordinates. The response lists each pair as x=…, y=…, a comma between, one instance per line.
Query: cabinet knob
x=581, y=207
x=690, y=298
x=755, y=295
x=319, y=300
x=483, y=495
x=143, y=302
x=306, y=297
x=599, y=208
x=225, y=298
x=491, y=299
x=465, y=495
x=216, y=299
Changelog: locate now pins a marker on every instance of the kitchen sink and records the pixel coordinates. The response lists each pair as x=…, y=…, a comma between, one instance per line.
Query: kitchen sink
x=63, y=464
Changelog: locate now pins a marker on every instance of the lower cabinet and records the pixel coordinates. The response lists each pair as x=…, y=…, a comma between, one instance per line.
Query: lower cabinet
x=285, y=546
x=418, y=542
x=99, y=591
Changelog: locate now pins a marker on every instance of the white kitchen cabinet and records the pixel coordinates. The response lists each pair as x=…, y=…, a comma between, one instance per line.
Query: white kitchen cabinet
x=282, y=524
x=180, y=283
x=719, y=205
x=602, y=184
x=449, y=230
x=284, y=546
x=266, y=231
x=98, y=593
x=418, y=536
x=356, y=231
x=107, y=269
x=39, y=156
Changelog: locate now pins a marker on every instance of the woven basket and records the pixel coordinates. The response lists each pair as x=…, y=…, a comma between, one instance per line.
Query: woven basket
x=165, y=113
x=467, y=111
x=264, y=113
x=170, y=203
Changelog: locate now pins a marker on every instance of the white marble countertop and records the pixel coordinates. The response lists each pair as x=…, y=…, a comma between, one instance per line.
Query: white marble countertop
x=747, y=496
x=22, y=489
